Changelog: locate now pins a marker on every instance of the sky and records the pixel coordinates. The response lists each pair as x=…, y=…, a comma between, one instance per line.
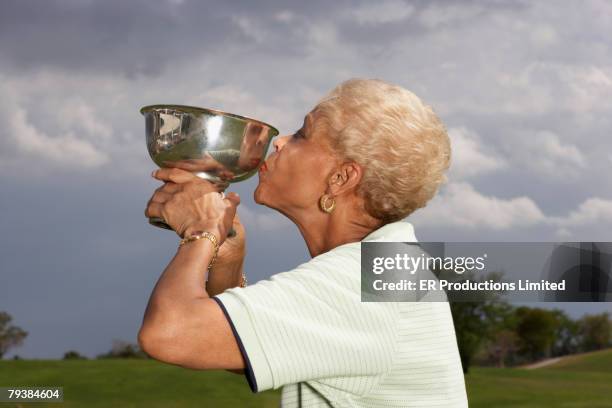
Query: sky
x=524, y=88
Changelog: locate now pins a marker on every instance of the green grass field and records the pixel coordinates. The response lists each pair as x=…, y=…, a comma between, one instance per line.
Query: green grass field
x=581, y=381
x=577, y=381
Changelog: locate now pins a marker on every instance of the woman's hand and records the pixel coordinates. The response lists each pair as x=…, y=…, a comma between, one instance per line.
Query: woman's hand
x=188, y=203
x=227, y=270
x=233, y=250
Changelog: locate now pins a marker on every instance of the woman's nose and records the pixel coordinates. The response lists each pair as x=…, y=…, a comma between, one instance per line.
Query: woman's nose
x=279, y=142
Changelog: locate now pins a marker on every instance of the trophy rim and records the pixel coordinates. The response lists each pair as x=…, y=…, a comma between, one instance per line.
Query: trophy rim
x=197, y=109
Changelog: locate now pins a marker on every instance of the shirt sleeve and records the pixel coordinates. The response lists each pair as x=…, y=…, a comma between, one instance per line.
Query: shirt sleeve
x=309, y=323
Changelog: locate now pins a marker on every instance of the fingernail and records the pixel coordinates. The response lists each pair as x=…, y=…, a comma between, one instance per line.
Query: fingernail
x=153, y=173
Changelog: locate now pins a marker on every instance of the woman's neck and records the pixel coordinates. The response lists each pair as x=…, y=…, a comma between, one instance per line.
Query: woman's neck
x=323, y=232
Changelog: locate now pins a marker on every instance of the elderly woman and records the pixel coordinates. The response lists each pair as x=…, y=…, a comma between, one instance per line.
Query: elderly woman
x=366, y=157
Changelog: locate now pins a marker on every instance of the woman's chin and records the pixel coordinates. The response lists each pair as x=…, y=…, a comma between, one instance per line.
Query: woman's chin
x=258, y=194
x=262, y=197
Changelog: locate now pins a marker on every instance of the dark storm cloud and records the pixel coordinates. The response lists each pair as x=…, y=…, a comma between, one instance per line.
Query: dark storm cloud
x=418, y=23
x=133, y=37
x=146, y=37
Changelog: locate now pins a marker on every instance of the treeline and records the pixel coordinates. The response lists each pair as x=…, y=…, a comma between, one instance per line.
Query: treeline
x=499, y=334
x=12, y=336
x=119, y=349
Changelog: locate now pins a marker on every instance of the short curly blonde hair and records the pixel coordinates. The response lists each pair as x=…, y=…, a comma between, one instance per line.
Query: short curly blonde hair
x=399, y=141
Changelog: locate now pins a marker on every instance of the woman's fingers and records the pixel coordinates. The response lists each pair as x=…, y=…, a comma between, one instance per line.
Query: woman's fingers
x=154, y=210
x=164, y=193
x=185, y=201
x=170, y=187
x=233, y=200
x=160, y=197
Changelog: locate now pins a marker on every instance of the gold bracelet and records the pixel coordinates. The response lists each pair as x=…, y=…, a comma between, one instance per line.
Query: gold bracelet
x=203, y=234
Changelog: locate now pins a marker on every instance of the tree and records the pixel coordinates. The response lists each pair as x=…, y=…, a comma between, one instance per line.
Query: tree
x=123, y=349
x=10, y=336
x=74, y=355
x=470, y=328
x=536, y=329
x=478, y=319
x=595, y=331
x=479, y=322
x=567, y=335
x=504, y=343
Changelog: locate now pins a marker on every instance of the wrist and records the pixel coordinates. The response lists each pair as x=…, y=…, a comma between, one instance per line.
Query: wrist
x=204, y=237
x=196, y=228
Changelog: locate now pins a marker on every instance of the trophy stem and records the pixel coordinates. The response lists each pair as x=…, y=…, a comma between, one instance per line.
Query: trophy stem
x=159, y=223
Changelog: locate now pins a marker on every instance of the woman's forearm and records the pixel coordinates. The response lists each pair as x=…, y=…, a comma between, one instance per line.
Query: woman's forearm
x=224, y=275
x=182, y=282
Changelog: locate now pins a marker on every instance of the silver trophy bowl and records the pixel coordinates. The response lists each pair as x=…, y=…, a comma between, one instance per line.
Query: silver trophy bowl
x=217, y=146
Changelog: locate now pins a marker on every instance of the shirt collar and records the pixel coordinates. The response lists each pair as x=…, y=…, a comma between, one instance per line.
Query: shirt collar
x=399, y=231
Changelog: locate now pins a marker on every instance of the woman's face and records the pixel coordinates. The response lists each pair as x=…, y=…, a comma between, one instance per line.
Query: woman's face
x=295, y=175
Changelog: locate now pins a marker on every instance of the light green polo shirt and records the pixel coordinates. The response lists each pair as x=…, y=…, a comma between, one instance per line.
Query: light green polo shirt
x=306, y=330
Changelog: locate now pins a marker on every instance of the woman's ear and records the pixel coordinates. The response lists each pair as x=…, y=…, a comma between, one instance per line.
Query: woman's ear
x=345, y=178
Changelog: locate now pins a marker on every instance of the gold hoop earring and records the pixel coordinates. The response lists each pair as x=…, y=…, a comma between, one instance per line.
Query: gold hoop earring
x=323, y=203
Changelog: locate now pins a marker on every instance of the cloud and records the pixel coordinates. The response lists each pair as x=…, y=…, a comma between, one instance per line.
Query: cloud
x=594, y=210
x=469, y=157
x=65, y=149
x=78, y=114
x=136, y=38
x=284, y=16
x=435, y=15
x=517, y=103
x=545, y=153
x=23, y=142
x=250, y=28
x=544, y=35
x=382, y=12
x=321, y=38
x=227, y=94
x=234, y=98
x=590, y=221
x=544, y=86
x=460, y=205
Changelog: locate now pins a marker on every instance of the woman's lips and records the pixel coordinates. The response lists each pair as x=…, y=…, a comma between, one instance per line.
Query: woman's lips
x=263, y=168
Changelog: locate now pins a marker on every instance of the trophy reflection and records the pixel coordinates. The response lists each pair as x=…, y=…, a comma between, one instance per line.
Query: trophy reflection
x=217, y=146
